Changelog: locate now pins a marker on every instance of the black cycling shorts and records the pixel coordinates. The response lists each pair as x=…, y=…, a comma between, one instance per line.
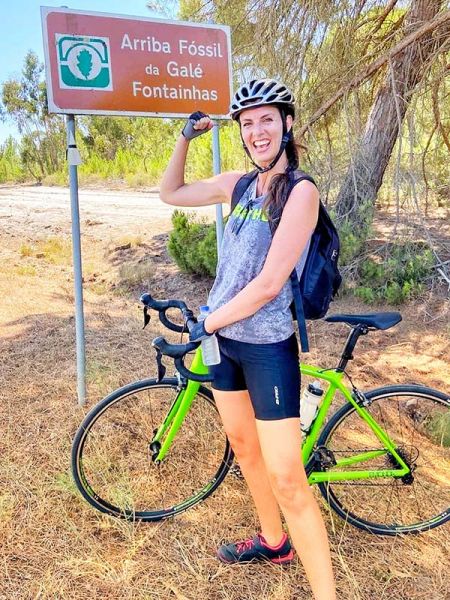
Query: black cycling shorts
x=270, y=373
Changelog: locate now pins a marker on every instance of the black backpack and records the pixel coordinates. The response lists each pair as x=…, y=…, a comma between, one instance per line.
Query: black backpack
x=320, y=279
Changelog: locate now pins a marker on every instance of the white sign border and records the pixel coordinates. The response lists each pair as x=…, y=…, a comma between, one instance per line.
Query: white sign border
x=53, y=108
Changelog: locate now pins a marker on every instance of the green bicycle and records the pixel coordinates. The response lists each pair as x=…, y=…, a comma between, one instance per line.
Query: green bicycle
x=154, y=448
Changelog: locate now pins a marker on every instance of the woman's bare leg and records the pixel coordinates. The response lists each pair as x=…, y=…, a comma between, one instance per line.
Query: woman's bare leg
x=280, y=445
x=238, y=417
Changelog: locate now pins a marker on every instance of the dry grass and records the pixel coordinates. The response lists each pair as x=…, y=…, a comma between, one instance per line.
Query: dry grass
x=54, y=546
x=54, y=250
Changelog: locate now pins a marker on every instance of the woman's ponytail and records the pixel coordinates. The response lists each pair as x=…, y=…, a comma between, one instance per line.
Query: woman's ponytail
x=279, y=185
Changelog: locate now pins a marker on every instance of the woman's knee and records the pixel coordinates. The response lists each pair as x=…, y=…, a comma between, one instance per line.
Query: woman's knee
x=289, y=487
x=246, y=447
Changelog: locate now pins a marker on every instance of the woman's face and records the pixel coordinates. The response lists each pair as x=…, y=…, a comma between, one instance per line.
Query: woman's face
x=262, y=130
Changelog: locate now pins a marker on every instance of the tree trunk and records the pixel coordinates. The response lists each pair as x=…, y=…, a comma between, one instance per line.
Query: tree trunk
x=358, y=192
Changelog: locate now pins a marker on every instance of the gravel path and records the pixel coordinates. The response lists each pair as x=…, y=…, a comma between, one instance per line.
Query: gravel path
x=30, y=208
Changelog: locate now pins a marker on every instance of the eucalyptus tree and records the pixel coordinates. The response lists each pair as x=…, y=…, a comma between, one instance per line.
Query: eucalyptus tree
x=354, y=67
x=24, y=100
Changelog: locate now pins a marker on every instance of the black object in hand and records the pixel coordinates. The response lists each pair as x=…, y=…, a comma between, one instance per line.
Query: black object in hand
x=188, y=131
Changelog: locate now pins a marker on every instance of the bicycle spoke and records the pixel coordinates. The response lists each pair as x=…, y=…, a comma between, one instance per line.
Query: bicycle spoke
x=117, y=462
x=416, y=426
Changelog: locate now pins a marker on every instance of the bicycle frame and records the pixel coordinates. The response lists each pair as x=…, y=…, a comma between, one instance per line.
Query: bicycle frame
x=182, y=403
x=334, y=378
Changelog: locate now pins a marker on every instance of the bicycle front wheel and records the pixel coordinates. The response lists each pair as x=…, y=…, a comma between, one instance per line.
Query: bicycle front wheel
x=417, y=420
x=112, y=460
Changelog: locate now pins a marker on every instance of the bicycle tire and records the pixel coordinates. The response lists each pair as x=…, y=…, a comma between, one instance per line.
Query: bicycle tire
x=411, y=413
x=111, y=459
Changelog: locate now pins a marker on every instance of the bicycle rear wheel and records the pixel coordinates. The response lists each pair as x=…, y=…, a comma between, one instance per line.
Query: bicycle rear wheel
x=112, y=461
x=417, y=420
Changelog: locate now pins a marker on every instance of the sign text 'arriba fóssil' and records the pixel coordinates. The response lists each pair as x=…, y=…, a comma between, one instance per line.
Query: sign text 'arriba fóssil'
x=185, y=68
x=112, y=64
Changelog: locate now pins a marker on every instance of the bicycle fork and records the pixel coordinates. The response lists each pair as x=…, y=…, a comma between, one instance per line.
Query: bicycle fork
x=164, y=435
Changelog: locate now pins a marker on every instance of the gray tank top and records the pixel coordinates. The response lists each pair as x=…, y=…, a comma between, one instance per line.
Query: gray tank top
x=245, y=245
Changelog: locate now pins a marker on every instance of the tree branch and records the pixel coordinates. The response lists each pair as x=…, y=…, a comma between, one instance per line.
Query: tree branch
x=440, y=19
x=436, y=111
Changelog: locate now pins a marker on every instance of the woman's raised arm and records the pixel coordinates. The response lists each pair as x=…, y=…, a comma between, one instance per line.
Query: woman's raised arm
x=174, y=190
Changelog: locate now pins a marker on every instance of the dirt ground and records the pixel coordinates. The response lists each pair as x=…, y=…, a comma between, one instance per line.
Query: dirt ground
x=52, y=544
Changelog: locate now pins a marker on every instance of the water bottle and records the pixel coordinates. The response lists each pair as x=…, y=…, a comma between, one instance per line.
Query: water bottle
x=309, y=404
x=210, y=346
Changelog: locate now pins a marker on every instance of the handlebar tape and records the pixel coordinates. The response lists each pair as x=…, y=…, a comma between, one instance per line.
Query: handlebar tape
x=175, y=351
x=185, y=372
x=162, y=306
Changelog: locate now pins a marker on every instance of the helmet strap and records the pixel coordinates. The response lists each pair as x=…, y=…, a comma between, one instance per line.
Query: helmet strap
x=287, y=136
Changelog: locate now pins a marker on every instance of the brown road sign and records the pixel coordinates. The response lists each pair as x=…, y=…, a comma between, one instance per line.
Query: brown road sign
x=97, y=63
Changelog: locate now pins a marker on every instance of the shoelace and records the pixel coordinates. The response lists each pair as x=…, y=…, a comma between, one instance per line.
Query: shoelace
x=244, y=545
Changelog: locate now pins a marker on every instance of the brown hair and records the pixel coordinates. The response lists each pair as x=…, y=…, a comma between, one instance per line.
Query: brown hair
x=273, y=204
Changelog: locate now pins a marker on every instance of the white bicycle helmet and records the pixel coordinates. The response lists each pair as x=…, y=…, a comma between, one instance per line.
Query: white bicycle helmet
x=260, y=92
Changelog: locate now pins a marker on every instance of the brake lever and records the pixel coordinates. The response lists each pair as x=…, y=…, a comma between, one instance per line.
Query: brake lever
x=146, y=317
x=161, y=367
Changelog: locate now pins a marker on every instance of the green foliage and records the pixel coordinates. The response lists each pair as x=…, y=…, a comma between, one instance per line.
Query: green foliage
x=351, y=244
x=10, y=164
x=192, y=244
x=106, y=135
x=397, y=278
x=352, y=237
x=24, y=101
x=365, y=293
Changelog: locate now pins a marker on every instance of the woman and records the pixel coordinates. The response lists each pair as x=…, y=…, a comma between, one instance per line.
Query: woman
x=257, y=383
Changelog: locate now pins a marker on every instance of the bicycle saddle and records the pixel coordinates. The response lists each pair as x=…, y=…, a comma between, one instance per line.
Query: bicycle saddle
x=376, y=320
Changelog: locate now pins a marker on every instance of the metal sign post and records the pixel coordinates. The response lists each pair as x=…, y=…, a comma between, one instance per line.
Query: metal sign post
x=73, y=158
x=216, y=169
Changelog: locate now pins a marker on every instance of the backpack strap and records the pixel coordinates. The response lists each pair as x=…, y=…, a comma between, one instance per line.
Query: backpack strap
x=242, y=186
x=299, y=312
x=294, y=178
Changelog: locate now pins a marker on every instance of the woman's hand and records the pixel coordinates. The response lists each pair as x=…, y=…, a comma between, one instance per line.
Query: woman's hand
x=196, y=124
x=199, y=332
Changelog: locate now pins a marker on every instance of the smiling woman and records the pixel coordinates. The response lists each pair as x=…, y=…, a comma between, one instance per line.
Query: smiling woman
x=256, y=385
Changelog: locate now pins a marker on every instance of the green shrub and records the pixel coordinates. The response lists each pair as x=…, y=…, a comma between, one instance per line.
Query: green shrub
x=192, y=244
x=350, y=243
x=365, y=293
x=394, y=278
x=353, y=236
x=11, y=168
x=397, y=278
